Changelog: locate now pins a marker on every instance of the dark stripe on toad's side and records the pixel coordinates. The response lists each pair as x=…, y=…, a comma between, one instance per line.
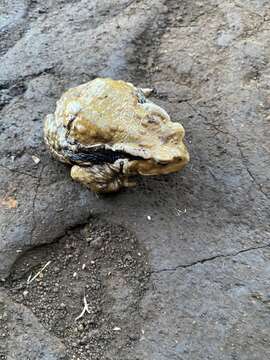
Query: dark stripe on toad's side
x=98, y=157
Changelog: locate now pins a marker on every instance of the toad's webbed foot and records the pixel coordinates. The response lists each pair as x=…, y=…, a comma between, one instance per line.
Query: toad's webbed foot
x=102, y=178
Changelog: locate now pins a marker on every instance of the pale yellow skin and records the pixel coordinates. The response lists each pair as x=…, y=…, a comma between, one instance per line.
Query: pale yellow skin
x=114, y=115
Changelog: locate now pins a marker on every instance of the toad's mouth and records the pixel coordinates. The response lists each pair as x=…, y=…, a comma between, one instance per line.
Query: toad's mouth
x=151, y=167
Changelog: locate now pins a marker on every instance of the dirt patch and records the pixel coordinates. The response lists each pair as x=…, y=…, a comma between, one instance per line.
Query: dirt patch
x=101, y=262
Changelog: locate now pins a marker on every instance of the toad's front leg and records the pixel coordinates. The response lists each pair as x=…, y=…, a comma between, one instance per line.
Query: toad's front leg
x=102, y=178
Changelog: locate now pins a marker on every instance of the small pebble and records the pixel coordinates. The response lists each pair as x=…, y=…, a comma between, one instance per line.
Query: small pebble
x=116, y=328
x=128, y=257
x=35, y=159
x=80, y=327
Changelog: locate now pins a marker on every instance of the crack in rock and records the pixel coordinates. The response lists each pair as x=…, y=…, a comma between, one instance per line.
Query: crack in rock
x=238, y=145
x=253, y=178
x=34, y=204
x=209, y=259
x=15, y=171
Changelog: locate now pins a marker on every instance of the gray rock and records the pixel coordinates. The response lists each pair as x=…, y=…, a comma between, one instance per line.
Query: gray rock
x=23, y=337
x=214, y=56
x=213, y=310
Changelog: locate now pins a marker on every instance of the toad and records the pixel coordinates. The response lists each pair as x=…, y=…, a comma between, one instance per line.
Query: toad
x=109, y=131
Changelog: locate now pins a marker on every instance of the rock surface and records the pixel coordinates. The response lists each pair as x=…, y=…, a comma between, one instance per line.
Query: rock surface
x=206, y=229
x=23, y=337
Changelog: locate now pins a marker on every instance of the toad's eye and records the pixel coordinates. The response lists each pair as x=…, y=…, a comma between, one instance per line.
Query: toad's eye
x=152, y=121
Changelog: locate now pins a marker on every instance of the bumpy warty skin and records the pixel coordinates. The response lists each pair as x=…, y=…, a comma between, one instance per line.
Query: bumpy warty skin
x=108, y=131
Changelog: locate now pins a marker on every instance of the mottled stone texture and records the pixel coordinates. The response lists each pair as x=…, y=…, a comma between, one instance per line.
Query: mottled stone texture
x=23, y=337
x=209, y=62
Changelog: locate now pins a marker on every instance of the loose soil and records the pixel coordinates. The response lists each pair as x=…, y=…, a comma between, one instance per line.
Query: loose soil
x=101, y=262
